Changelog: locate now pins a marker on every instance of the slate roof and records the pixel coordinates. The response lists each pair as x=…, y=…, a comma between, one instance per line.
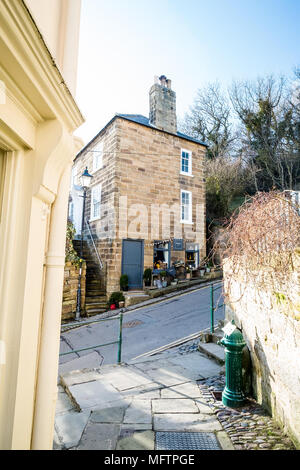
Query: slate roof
x=144, y=121
x=139, y=119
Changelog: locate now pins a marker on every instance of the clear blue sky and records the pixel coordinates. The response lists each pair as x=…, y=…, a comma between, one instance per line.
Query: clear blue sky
x=124, y=43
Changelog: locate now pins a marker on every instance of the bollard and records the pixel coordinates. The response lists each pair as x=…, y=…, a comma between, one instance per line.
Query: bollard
x=234, y=343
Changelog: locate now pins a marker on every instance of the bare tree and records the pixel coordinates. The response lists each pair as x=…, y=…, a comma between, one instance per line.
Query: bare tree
x=209, y=120
x=268, y=135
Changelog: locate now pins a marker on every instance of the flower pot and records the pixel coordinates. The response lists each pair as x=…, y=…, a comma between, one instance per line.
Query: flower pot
x=208, y=270
x=164, y=283
x=202, y=272
x=121, y=304
x=188, y=275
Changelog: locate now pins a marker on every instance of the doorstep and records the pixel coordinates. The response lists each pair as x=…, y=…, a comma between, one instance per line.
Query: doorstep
x=135, y=297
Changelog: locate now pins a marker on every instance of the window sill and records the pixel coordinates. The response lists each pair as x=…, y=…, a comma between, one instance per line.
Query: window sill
x=187, y=222
x=186, y=174
x=94, y=219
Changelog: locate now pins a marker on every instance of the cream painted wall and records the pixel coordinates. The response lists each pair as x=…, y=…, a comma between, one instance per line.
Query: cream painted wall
x=58, y=22
x=38, y=116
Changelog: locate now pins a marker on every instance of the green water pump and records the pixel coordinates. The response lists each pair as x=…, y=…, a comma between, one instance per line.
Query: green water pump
x=234, y=343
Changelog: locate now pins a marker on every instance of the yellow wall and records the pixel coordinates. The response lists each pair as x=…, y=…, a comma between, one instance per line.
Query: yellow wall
x=38, y=116
x=58, y=22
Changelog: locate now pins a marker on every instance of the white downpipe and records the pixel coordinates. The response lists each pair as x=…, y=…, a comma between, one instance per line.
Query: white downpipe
x=46, y=387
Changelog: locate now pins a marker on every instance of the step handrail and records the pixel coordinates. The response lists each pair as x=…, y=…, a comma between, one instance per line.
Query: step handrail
x=96, y=251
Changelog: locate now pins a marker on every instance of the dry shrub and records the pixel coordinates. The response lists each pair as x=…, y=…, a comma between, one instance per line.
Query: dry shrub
x=262, y=245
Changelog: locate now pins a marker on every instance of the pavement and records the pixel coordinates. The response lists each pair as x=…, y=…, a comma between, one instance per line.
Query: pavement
x=169, y=400
x=146, y=326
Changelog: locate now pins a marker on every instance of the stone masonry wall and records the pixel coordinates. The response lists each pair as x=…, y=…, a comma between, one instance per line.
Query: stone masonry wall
x=148, y=173
x=71, y=275
x=103, y=229
x=271, y=329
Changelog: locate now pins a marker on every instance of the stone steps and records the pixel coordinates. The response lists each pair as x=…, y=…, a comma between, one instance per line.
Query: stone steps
x=94, y=312
x=95, y=306
x=95, y=297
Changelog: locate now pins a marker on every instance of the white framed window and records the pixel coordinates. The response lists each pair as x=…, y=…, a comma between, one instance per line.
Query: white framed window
x=186, y=162
x=96, y=202
x=97, y=156
x=186, y=207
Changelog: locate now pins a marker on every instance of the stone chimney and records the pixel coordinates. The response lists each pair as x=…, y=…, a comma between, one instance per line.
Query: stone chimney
x=163, y=105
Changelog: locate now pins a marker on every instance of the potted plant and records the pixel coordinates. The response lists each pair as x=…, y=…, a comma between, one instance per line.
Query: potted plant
x=208, y=266
x=147, y=276
x=188, y=272
x=115, y=299
x=201, y=270
x=124, y=282
x=174, y=282
x=163, y=276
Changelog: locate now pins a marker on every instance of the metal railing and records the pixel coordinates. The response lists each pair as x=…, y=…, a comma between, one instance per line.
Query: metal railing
x=93, y=243
x=119, y=341
x=213, y=308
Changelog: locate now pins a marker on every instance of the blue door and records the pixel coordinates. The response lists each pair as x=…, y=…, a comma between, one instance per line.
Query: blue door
x=133, y=262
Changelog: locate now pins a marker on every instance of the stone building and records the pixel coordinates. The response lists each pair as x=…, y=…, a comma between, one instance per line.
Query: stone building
x=146, y=204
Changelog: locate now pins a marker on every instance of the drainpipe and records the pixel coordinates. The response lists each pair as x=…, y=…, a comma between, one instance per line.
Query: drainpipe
x=46, y=386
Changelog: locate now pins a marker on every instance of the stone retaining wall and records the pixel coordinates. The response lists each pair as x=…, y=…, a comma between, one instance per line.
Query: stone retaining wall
x=70, y=290
x=272, y=332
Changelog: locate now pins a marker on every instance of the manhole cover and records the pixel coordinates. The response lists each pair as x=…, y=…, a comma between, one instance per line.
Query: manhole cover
x=186, y=441
x=132, y=324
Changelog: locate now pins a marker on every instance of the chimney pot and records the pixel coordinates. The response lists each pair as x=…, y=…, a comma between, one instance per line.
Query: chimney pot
x=163, y=105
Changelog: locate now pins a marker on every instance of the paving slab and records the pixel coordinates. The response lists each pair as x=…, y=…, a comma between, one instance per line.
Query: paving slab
x=113, y=415
x=168, y=376
x=174, y=405
x=185, y=390
x=213, y=350
x=143, y=392
x=64, y=403
x=136, y=427
x=185, y=422
x=90, y=361
x=153, y=364
x=125, y=378
x=99, y=437
x=79, y=376
x=70, y=426
x=143, y=440
x=95, y=394
x=139, y=411
x=203, y=406
x=197, y=365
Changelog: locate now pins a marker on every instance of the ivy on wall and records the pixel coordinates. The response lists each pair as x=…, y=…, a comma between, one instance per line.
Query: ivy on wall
x=71, y=254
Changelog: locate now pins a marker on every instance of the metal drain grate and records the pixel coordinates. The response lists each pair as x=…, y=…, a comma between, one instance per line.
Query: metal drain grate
x=217, y=394
x=186, y=441
x=132, y=324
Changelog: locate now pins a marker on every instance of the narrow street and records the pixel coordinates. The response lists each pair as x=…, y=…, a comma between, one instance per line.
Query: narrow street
x=144, y=329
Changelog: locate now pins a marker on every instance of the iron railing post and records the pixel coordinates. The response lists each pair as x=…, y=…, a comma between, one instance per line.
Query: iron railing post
x=120, y=340
x=212, y=308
